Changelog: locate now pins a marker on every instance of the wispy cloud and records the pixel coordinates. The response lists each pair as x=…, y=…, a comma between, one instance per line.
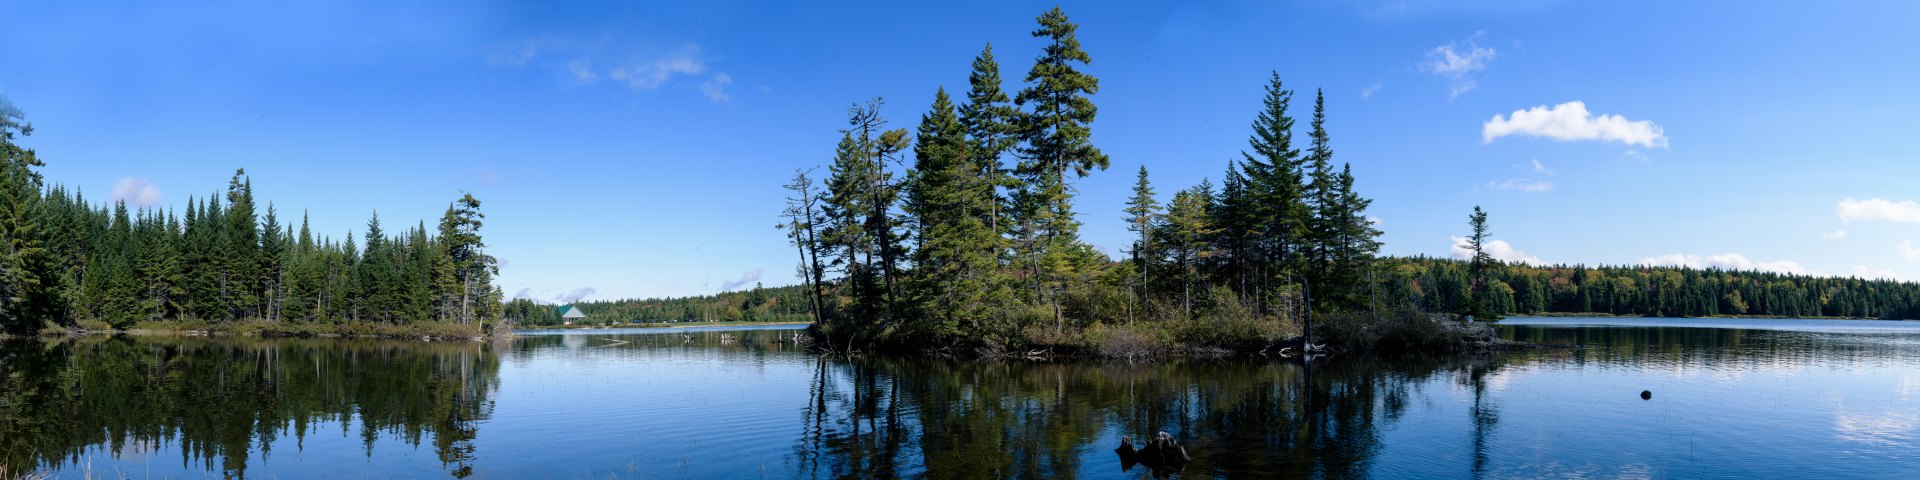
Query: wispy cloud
x=582, y=71
x=1522, y=184
x=1884, y=274
x=716, y=87
x=745, y=278
x=1458, y=61
x=651, y=74
x=591, y=62
x=1368, y=92
x=1540, y=168
x=1878, y=209
x=136, y=191
x=1498, y=249
x=1637, y=155
x=1572, y=122
x=575, y=295
x=1834, y=235
x=1725, y=261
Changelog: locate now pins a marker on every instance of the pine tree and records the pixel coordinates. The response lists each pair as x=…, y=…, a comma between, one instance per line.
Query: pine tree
x=240, y=280
x=1142, y=213
x=1185, y=231
x=803, y=216
x=988, y=118
x=1478, y=267
x=1057, y=135
x=272, y=255
x=947, y=197
x=23, y=266
x=1277, y=210
x=1323, y=225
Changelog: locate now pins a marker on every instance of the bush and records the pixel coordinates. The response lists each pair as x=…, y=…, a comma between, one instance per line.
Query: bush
x=1128, y=341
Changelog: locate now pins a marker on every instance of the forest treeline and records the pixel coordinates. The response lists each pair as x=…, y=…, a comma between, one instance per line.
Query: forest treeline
x=963, y=233
x=1441, y=285
x=223, y=264
x=760, y=304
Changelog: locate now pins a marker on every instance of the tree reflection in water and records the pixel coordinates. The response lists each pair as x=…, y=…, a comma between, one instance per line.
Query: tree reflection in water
x=881, y=417
x=216, y=401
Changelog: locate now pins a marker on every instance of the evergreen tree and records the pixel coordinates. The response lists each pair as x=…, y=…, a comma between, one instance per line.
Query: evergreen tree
x=1478, y=306
x=948, y=198
x=22, y=265
x=988, y=118
x=803, y=214
x=1277, y=212
x=1057, y=135
x=1185, y=231
x=241, y=276
x=1142, y=213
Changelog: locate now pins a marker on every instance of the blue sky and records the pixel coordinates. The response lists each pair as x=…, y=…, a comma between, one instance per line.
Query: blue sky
x=637, y=149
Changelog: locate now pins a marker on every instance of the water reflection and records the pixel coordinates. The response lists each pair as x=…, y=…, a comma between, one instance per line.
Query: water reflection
x=876, y=417
x=223, y=402
x=741, y=404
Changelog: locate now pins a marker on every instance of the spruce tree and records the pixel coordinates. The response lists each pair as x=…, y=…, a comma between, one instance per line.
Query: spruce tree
x=1142, y=213
x=1277, y=210
x=988, y=118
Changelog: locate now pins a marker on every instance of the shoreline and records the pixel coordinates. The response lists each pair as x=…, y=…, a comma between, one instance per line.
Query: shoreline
x=264, y=329
x=1743, y=317
x=658, y=325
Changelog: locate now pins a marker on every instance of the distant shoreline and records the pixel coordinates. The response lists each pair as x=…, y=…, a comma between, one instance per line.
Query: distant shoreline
x=1748, y=317
x=657, y=325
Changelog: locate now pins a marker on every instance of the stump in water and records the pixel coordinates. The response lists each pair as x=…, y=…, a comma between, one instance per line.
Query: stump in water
x=1646, y=394
x=1162, y=454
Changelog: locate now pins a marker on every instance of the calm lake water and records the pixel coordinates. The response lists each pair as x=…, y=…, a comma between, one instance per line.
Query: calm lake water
x=1731, y=398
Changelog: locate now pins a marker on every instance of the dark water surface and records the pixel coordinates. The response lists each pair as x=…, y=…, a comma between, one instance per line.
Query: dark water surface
x=1731, y=398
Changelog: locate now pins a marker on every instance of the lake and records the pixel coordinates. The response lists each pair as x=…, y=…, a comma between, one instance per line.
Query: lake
x=1730, y=398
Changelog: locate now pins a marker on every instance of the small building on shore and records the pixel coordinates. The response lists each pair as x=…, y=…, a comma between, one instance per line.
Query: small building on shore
x=569, y=313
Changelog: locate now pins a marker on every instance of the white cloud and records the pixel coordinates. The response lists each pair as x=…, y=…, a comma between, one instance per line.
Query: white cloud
x=1368, y=92
x=1637, y=155
x=1457, y=61
x=1376, y=221
x=745, y=278
x=1498, y=249
x=715, y=88
x=1540, y=169
x=1834, y=235
x=1570, y=122
x=582, y=71
x=1725, y=261
x=1907, y=251
x=574, y=295
x=1522, y=184
x=1878, y=209
x=1862, y=271
x=136, y=191
x=650, y=75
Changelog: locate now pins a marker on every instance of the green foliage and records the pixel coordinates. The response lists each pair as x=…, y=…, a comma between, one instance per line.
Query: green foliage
x=777, y=304
x=1442, y=285
x=68, y=263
